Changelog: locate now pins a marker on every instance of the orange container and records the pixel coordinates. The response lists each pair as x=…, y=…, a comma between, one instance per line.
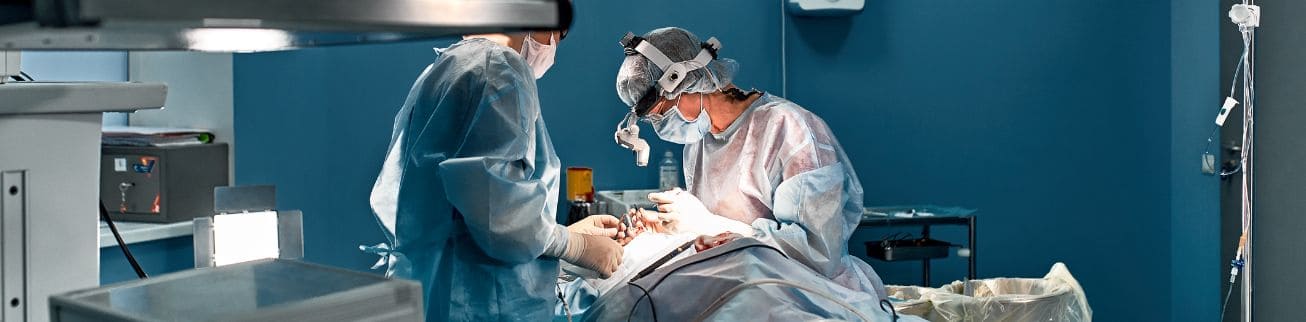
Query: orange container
x=580, y=184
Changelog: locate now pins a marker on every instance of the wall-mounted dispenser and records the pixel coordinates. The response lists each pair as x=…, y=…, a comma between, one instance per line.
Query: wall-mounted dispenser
x=825, y=8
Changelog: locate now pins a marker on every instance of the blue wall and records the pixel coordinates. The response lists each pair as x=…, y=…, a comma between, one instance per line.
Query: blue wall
x=1196, y=268
x=1051, y=117
x=1054, y=118
x=157, y=257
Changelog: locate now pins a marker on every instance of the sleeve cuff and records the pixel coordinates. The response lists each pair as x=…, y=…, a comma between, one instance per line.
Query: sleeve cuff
x=558, y=243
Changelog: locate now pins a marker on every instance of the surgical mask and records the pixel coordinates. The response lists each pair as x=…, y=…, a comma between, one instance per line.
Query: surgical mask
x=680, y=130
x=539, y=56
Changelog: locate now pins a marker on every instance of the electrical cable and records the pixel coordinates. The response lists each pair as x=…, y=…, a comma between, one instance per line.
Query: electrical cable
x=104, y=214
x=561, y=298
x=716, y=305
x=887, y=307
x=658, y=263
x=651, y=308
x=1224, y=308
x=688, y=264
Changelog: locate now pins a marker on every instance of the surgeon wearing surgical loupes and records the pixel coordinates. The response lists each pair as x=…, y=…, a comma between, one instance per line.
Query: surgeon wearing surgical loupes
x=468, y=191
x=749, y=156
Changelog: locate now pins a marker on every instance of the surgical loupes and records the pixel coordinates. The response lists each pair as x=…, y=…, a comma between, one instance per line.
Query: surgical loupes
x=627, y=136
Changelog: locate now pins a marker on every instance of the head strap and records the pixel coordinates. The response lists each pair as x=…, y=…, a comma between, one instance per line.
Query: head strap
x=673, y=73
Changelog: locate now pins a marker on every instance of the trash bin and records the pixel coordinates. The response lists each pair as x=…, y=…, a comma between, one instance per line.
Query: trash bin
x=910, y=300
x=1055, y=297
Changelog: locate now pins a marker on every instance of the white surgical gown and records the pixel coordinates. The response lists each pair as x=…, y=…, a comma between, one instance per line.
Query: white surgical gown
x=468, y=190
x=780, y=168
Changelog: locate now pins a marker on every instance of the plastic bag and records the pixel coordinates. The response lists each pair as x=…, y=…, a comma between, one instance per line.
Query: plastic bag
x=1055, y=297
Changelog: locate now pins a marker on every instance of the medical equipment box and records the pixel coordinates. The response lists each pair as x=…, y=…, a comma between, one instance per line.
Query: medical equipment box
x=263, y=290
x=161, y=184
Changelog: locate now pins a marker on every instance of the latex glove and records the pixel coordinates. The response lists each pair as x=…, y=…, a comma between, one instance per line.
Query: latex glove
x=631, y=226
x=598, y=253
x=639, y=223
x=706, y=242
x=599, y=225
x=673, y=207
x=678, y=203
x=679, y=211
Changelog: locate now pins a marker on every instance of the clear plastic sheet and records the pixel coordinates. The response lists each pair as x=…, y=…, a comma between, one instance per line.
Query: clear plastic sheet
x=1055, y=297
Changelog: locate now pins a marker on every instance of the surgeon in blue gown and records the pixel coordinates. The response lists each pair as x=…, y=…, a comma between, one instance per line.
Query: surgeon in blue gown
x=468, y=191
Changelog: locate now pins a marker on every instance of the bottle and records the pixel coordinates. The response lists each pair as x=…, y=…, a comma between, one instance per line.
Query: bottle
x=668, y=172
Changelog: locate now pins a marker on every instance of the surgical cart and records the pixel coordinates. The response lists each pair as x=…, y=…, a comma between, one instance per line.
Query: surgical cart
x=923, y=249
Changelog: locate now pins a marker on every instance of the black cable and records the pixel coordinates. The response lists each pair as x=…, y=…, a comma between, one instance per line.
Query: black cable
x=672, y=271
x=893, y=313
x=1224, y=308
x=565, y=308
x=652, y=308
x=104, y=214
x=658, y=263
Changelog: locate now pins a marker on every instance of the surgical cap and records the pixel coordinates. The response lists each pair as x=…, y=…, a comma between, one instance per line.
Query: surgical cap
x=638, y=73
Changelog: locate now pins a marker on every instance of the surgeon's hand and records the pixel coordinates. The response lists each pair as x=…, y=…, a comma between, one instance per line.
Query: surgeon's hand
x=638, y=224
x=678, y=203
x=599, y=225
x=648, y=220
x=708, y=242
x=598, y=253
x=674, y=206
x=681, y=212
x=628, y=233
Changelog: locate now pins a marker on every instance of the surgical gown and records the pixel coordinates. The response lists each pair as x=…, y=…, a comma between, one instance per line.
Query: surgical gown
x=780, y=168
x=468, y=190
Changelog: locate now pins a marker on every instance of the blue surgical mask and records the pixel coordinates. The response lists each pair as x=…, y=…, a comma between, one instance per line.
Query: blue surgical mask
x=679, y=130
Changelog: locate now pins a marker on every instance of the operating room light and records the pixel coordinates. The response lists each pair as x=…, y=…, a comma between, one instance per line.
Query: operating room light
x=237, y=39
x=244, y=237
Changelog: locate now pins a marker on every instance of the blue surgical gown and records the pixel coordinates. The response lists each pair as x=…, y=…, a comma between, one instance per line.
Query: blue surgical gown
x=467, y=195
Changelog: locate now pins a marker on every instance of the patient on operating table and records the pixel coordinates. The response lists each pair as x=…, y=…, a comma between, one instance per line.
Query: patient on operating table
x=652, y=242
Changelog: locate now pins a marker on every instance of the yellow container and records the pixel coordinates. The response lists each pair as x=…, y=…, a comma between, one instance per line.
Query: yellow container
x=580, y=184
